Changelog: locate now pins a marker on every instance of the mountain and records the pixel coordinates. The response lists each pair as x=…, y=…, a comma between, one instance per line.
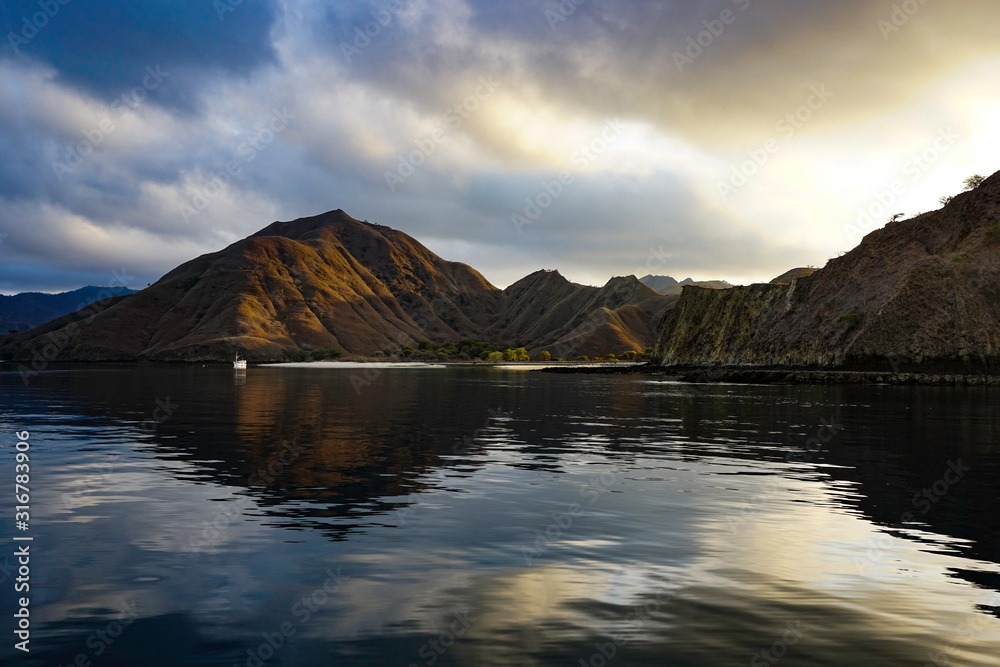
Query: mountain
x=331, y=281
x=23, y=311
x=921, y=294
x=656, y=283
x=567, y=319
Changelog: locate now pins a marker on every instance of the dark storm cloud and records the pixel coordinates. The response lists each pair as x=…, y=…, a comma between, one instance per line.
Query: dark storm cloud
x=368, y=80
x=103, y=47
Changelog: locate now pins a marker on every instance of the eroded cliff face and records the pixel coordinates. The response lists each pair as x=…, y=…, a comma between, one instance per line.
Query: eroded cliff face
x=917, y=294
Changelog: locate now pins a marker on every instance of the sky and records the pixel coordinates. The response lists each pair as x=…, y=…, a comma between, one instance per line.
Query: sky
x=719, y=139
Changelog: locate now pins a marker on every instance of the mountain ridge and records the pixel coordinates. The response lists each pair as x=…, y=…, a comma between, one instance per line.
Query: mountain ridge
x=331, y=281
x=918, y=294
x=26, y=310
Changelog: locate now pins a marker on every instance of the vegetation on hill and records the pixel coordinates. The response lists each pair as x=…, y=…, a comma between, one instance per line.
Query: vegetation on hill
x=471, y=349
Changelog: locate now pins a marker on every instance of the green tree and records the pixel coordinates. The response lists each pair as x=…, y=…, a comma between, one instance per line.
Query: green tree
x=509, y=355
x=545, y=356
x=521, y=354
x=974, y=181
x=494, y=357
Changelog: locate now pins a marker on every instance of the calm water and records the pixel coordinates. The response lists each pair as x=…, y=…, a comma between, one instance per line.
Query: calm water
x=439, y=516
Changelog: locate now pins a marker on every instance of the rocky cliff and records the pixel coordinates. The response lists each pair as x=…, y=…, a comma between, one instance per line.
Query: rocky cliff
x=918, y=294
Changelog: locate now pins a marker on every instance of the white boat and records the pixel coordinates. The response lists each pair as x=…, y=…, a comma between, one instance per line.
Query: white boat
x=239, y=363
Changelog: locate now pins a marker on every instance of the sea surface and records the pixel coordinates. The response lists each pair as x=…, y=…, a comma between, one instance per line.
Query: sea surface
x=337, y=514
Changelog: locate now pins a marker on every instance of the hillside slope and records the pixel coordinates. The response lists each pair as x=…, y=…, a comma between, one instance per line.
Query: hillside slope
x=331, y=281
x=323, y=282
x=922, y=293
x=549, y=313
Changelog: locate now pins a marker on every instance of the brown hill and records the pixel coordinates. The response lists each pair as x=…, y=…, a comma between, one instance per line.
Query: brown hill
x=918, y=294
x=331, y=281
x=324, y=282
x=568, y=320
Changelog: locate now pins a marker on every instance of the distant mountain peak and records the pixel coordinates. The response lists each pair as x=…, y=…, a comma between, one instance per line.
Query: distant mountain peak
x=20, y=312
x=656, y=283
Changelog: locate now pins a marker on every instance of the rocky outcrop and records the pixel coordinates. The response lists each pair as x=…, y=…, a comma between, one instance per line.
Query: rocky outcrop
x=794, y=274
x=919, y=294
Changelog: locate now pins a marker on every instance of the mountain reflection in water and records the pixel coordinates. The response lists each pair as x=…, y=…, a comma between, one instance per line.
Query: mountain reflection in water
x=468, y=515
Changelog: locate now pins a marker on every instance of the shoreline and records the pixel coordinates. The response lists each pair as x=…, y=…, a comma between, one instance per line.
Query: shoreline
x=786, y=375
x=687, y=374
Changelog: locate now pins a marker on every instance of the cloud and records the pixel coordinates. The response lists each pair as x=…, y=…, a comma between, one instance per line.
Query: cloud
x=378, y=88
x=104, y=48
x=622, y=58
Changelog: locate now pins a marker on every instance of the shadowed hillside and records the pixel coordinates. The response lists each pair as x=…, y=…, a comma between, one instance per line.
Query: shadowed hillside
x=21, y=312
x=918, y=294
